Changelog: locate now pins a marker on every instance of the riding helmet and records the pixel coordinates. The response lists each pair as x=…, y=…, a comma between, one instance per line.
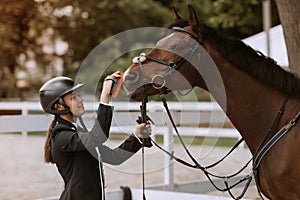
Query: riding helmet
x=54, y=90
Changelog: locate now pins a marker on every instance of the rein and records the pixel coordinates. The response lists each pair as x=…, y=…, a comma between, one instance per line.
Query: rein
x=256, y=158
x=204, y=169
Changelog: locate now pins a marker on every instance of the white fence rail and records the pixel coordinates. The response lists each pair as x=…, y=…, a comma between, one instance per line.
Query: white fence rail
x=192, y=118
x=204, y=119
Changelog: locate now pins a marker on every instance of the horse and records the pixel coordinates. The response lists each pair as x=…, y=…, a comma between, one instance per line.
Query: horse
x=261, y=99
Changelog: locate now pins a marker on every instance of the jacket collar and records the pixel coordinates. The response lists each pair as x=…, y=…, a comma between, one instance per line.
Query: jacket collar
x=66, y=123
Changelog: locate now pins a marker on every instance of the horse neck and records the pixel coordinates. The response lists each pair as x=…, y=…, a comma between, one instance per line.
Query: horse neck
x=250, y=105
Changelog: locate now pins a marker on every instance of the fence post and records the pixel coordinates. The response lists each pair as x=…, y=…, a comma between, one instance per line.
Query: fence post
x=24, y=113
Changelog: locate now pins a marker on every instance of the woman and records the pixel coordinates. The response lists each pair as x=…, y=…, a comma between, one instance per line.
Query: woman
x=77, y=152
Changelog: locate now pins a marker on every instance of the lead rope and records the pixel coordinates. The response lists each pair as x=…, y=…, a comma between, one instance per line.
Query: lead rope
x=247, y=178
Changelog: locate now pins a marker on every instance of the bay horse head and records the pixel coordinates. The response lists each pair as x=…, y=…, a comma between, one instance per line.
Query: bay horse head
x=174, y=63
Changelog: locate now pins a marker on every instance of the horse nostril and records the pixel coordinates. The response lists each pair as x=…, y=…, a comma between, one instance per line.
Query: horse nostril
x=132, y=77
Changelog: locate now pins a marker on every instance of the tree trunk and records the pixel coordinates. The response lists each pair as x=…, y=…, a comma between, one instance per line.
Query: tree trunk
x=289, y=14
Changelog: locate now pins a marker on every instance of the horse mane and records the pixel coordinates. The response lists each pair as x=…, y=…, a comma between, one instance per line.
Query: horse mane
x=244, y=57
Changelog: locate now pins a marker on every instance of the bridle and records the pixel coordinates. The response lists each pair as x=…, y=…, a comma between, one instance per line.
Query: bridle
x=173, y=65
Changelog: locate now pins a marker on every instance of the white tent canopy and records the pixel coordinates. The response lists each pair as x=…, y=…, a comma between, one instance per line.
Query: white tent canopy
x=277, y=45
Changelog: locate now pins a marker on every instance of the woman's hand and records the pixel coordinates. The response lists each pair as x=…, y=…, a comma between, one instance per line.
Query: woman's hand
x=107, y=85
x=143, y=128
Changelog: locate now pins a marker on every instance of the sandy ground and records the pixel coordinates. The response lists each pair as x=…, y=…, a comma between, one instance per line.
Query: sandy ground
x=24, y=175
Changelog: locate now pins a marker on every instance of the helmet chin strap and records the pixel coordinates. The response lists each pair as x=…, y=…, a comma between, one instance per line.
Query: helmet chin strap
x=68, y=111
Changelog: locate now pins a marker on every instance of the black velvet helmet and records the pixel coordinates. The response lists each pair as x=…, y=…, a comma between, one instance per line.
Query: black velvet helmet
x=53, y=90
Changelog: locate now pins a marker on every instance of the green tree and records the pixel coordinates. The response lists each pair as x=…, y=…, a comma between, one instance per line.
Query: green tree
x=30, y=32
x=16, y=41
x=90, y=22
x=46, y=38
x=230, y=17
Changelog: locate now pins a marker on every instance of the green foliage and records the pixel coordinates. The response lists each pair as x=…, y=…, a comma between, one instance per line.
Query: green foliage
x=93, y=21
x=235, y=18
x=14, y=39
x=30, y=31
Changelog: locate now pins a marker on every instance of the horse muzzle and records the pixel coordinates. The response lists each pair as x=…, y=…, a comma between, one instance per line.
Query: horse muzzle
x=137, y=86
x=131, y=82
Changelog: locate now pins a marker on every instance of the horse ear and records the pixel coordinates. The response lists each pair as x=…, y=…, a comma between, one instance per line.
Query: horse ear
x=176, y=16
x=193, y=20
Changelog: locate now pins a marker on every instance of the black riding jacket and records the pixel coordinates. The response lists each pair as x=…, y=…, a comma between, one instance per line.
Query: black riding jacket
x=74, y=153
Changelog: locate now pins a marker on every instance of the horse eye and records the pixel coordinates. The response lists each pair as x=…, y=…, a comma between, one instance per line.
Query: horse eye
x=177, y=47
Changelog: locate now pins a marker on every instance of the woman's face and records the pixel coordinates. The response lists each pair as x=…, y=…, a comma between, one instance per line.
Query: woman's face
x=75, y=103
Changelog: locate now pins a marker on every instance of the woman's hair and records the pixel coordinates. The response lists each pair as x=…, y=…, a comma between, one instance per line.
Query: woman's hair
x=47, y=147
